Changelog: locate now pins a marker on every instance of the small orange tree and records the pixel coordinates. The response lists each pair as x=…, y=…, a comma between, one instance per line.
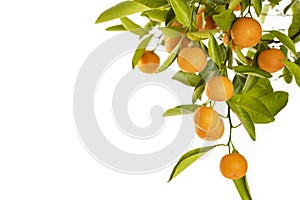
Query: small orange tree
x=193, y=32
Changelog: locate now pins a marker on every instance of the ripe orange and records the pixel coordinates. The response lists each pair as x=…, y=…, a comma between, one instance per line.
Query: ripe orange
x=171, y=43
x=219, y=88
x=226, y=40
x=246, y=32
x=192, y=59
x=206, y=119
x=213, y=134
x=270, y=60
x=209, y=22
x=233, y=166
x=149, y=62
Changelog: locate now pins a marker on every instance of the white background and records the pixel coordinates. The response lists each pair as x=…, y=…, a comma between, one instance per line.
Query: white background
x=42, y=47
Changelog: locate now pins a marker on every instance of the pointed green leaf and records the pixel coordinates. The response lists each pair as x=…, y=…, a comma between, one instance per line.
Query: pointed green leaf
x=275, y=101
x=198, y=93
x=294, y=28
x=214, y=51
x=244, y=117
x=242, y=187
x=295, y=69
x=257, y=4
x=261, y=88
x=220, y=2
x=119, y=27
x=257, y=110
x=287, y=75
x=189, y=79
x=225, y=19
x=187, y=159
x=121, y=10
x=153, y=3
x=133, y=27
x=250, y=82
x=240, y=55
x=140, y=50
x=250, y=70
x=201, y=35
x=182, y=11
x=181, y=110
x=284, y=39
x=156, y=15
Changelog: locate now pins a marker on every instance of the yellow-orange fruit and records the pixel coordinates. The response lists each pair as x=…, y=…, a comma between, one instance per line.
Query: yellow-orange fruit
x=171, y=43
x=226, y=40
x=213, y=134
x=219, y=88
x=192, y=59
x=149, y=62
x=233, y=166
x=246, y=32
x=270, y=60
x=209, y=22
x=206, y=119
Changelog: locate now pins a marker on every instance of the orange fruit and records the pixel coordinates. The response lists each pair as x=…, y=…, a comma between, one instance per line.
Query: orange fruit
x=226, y=40
x=212, y=134
x=206, y=119
x=171, y=43
x=192, y=59
x=246, y=32
x=219, y=88
x=209, y=22
x=149, y=62
x=270, y=60
x=233, y=166
x=238, y=7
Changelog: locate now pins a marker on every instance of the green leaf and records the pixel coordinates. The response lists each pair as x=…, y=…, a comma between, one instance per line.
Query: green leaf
x=187, y=159
x=198, y=93
x=182, y=11
x=257, y=4
x=233, y=4
x=240, y=55
x=201, y=35
x=242, y=187
x=153, y=3
x=140, y=50
x=284, y=39
x=156, y=15
x=121, y=10
x=287, y=75
x=289, y=6
x=225, y=19
x=170, y=59
x=275, y=101
x=189, y=79
x=294, y=28
x=250, y=83
x=295, y=69
x=238, y=83
x=250, y=70
x=214, y=51
x=181, y=110
x=133, y=27
x=220, y=2
x=244, y=117
x=257, y=110
x=261, y=88
x=119, y=27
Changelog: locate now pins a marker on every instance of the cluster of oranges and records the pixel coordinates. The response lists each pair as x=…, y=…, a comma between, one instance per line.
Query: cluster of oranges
x=245, y=32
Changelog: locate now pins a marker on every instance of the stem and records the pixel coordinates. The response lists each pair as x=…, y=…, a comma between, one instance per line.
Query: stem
x=230, y=131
